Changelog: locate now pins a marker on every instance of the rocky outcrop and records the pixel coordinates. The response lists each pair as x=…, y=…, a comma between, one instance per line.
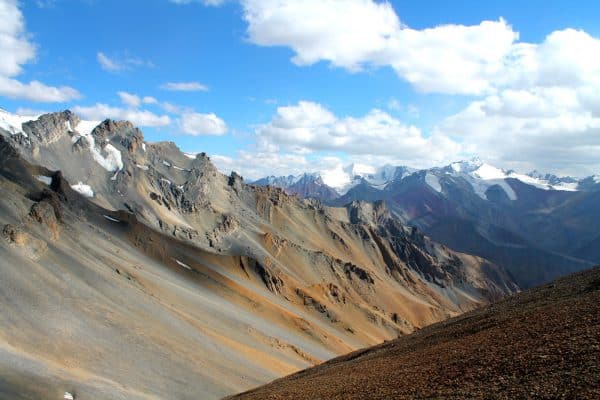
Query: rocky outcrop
x=49, y=128
x=15, y=234
x=271, y=278
x=45, y=214
x=109, y=128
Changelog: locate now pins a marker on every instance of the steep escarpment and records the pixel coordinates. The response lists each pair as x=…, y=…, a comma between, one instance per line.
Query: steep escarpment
x=120, y=252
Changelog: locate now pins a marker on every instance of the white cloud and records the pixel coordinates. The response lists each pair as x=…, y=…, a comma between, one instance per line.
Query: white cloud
x=347, y=33
x=197, y=124
x=171, y=108
x=549, y=129
x=36, y=91
x=138, y=117
x=546, y=113
x=353, y=34
x=129, y=99
x=309, y=127
x=14, y=43
x=149, y=100
x=184, y=87
x=17, y=50
x=120, y=63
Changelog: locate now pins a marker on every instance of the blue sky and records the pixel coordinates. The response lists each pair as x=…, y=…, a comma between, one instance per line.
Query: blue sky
x=288, y=86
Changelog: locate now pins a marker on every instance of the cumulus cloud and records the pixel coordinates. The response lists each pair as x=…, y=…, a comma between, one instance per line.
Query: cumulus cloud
x=308, y=137
x=184, y=87
x=550, y=129
x=130, y=99
x=353, y=34
x=120, y=63
x=310, y=127
x=17, y=50
x=198, y=124
x=142, y=118
x=36, y=91
x=546, y=113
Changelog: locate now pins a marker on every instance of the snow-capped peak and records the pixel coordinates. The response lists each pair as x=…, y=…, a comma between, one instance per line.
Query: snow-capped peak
x=466, y=166
x=489, y=172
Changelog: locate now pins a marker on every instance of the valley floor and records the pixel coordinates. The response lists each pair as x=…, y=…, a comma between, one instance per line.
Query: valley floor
x=543, y=343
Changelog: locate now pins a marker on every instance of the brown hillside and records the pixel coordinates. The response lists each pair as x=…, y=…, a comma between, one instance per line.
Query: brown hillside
x=543, y=343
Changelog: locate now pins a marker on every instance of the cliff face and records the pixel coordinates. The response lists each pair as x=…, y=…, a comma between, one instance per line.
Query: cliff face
x=139, y=256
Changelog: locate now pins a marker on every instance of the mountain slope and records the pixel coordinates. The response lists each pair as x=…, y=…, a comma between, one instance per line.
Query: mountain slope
x=542, y=343
x=538, y=226
x=134, y=270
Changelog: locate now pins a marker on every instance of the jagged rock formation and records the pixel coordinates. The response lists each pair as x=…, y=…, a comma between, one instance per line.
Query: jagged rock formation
x=169, y=268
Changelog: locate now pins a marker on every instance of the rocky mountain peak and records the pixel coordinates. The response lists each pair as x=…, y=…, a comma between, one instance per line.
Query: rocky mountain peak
x=123, y=129
x=48, y=128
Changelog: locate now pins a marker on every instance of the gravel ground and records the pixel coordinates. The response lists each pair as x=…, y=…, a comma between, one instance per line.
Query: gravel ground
x=543, y=343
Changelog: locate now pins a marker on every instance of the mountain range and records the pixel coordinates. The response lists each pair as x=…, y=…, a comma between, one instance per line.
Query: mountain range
x=130, y=270
x=538, y=226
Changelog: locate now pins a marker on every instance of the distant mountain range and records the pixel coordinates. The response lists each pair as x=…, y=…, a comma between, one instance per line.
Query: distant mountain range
x=479, y=174
x=539, y=226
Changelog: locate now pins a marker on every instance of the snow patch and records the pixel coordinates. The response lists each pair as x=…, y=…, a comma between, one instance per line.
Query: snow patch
x=85, y=128
x=165, y=180
x=144, y=167
x=44, y=179
x=488, y=172
x=166, y=163
x=190, y=155
x=85, y=190
x=68, y=396
x=566, y=187
x=112, y=161
x=182, y=264
x=507, y=189
x=434, y=182
x=179, y=168
x=110, y=218
x=144, y=146
x=13, y=123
